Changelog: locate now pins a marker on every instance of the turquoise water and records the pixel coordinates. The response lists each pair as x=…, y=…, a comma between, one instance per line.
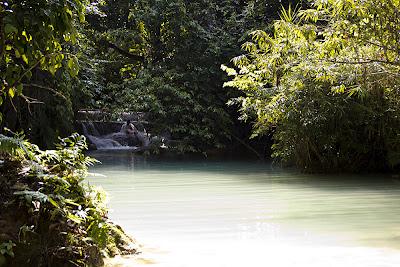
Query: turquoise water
x=243, y=213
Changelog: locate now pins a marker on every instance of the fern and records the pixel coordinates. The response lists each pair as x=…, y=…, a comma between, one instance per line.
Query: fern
x=13, y=146
x=30, y=196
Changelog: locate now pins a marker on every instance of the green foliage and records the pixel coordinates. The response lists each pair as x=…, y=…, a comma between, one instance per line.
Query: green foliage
x=192, y=119
x=32, y=37
x=178, y=44
x=54, y=196
x=39, y=62
x=327, y=82
x=163, y=58
x=14, y=146
x=6, y=248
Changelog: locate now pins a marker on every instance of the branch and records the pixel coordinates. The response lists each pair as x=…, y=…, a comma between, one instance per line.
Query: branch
x=366, y=61
x=46, y=88
x=31, y=68
x=248, y=146
x=123, y=51
x=26, y=72
x=31, y=100
x=382, y=46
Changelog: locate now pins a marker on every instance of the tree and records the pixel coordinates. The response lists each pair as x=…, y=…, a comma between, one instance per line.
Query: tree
x=32, y=35
x=164, y=59
x=327, y=81
x=37, y=63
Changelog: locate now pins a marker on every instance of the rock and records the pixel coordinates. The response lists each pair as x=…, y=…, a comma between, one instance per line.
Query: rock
x=92, y=146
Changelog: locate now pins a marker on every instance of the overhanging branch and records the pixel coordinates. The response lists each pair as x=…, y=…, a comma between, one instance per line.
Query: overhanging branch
x=123, y=51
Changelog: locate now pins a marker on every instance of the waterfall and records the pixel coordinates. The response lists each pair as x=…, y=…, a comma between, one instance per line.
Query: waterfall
x=103, y=143
x=90, y=131
x=115, y=138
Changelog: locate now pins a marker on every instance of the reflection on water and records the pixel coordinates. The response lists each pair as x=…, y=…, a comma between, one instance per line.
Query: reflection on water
x=238, y=213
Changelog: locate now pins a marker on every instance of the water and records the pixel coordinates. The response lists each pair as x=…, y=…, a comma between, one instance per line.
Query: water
x=119, y=140
x=241, y=213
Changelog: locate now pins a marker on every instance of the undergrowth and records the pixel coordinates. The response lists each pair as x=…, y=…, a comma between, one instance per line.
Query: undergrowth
x=48, y=215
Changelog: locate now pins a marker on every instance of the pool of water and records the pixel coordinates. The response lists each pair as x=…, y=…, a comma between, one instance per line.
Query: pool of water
x=216, y=213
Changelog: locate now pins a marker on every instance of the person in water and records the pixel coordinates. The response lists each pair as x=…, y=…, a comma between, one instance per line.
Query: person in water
x=129, y=128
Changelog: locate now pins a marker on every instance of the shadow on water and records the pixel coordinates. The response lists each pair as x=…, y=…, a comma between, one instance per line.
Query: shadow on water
x=243, y=168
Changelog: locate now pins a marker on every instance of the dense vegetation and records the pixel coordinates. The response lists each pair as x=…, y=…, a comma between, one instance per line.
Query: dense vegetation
x=37, y=63
x=159, y=57
x=327, y=81
x=323, y=79
x=163, y=57
x=48, y=215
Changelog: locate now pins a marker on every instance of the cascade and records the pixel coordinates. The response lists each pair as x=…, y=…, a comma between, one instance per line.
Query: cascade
x=102, y=138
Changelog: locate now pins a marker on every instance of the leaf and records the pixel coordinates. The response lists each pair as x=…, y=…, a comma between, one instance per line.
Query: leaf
x=17, y=54
x=32, y=195
x=69, y=12
x=19, y=88
x=11, y=92
x=71, y=63
x=69, y=201
x=53, y=202
x=52, y=70
x=74, y=218
x=28, y=38
x=73, y=66
x=24, y=58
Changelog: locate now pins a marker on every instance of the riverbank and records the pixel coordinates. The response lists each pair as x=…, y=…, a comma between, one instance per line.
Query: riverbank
x=48, y=215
